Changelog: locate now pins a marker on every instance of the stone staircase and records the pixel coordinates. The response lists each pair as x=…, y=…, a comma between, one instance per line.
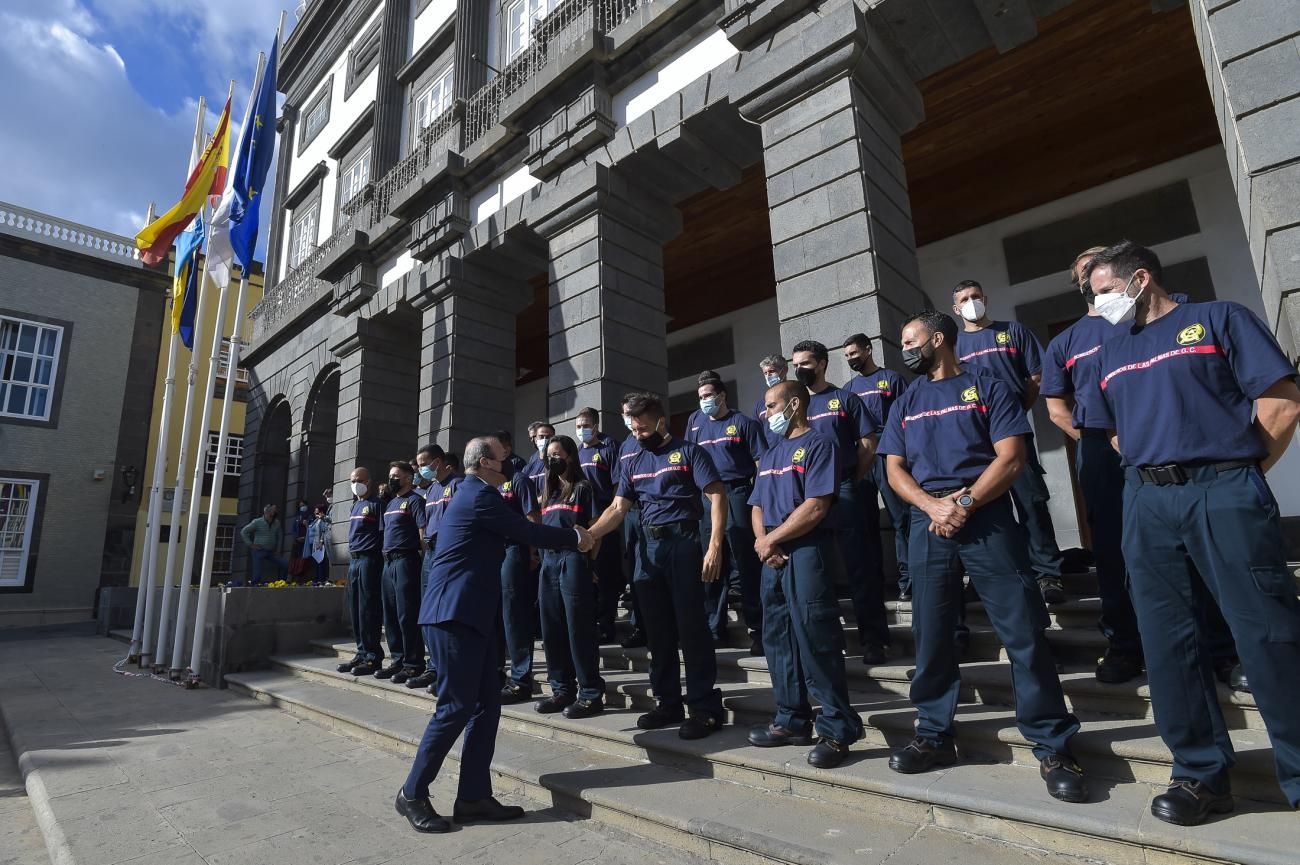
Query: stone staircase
x=724, y=799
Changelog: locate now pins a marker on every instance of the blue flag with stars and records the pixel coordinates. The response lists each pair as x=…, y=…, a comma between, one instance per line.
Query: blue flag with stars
x=256, y=149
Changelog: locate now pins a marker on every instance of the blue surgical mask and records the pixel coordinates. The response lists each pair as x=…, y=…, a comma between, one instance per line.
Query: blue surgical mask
x=779, y=423
x=772, y=379
x=709, y=406
x=542, y=442
x=586, y=434
x=427, y=473
x=627, y=422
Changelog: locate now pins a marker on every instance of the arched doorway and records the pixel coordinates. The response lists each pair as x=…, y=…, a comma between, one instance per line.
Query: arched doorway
x=321, y=425
x=273, y=457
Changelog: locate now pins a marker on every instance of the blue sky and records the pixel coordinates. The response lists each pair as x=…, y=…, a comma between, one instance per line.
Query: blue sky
x=99, y=98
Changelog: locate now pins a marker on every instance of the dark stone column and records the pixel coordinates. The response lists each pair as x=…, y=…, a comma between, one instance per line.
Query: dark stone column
x=833, y=104
x=472, y=22
x=286, y=127
x=390, y=98
x=1249, y=50
x=606, y=293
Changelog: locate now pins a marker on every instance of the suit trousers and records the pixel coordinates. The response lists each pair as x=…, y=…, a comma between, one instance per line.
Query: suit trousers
x=469, y=700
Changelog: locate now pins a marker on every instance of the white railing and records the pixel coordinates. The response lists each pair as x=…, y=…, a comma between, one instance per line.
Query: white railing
x=66, y=234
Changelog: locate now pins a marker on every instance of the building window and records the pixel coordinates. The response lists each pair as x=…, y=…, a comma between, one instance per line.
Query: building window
x=224, y=550
x=364, y=57
x=17, y=519
x=433, y=100
x=302, y=237
x=29, y=366
x=317, y=116
x=223, y=365
x=354, y=177
x=234, y=455
x=521, y=15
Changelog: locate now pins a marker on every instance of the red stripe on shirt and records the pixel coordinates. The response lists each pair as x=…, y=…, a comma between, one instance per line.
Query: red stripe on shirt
x=939, y=412
x=655, y=474
x=1071, y=362
x=999, y=349
x=1160, y=358
x=577, y=509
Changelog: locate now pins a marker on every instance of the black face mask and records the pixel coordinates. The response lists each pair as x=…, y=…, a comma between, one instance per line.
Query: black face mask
x=652, y=441
x=1089, y=296
x=916, y=360
x=805, y=376
x=557, y=464
x=394, y=485
x=858, y=364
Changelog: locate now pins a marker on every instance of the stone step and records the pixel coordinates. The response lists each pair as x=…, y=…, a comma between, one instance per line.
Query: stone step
x=1121, y=749
x=724, y=799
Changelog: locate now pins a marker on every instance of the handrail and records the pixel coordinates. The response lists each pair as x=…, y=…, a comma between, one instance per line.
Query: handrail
x=66, y=234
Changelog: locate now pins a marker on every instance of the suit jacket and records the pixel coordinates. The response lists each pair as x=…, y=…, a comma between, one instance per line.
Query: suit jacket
x=465, y=580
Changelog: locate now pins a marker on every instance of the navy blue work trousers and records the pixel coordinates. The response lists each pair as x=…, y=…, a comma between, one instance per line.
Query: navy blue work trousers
x=366, y=604
x=900, y=514
x=1030, y=495
x=1101, y=480
x=566, y=594
x=519, y=613
x=738, y=554
x=402, y=608
x=860, y=552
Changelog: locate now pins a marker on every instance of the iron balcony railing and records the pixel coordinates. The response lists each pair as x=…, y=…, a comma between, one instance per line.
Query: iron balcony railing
x=300, y=287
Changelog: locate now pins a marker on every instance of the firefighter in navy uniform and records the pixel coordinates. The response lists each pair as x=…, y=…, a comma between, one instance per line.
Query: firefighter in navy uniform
x=955, y=443
x=878, y=388
x=793, y=497
x=365, y=575
x=598, y=458
x=1202, y=402
x=519, y=584
x=404, y=521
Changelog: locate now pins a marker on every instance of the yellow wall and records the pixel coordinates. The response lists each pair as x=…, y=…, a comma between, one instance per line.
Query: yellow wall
x=209, y=297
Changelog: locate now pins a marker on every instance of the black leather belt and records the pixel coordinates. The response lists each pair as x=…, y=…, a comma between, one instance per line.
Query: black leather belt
x=394, y=555
x=1090, y=432
x=942, y=494
x=1177, y=475
x=373, y=554
x=742, y=482
x=671, y=530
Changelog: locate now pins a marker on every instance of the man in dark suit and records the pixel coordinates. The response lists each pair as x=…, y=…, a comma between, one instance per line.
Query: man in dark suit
x=461, y=615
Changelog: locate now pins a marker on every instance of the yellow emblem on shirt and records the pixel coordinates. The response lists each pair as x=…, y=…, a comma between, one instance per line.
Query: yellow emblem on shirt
x=1003, y=337
x=675, y=457
x=446, y=493
x=595, y=458
x=1191, y=334
x=365, y=510
x=833, y=405
x=731, y=430
x=970, y=394
x=882, y=384
x=404, y=504
x=798, y=456
x=505, y=487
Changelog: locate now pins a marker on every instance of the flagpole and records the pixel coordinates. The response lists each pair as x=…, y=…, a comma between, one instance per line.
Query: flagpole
x=152, y=511
x=164, y=428
x=209, y=545
x=187, y=422
x=219, y=470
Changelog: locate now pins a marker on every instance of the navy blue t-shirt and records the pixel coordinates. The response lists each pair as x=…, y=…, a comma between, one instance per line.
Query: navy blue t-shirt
x=734, y=442
x=790, y=473
x=878, y=391
x=1182, y=388
x=945, y=430
x=435, y=503
x=518, y=493
x=403, y=519
x=363, y=527
x=1007, y=349
x=598, y=460
x=578, y=509
x=626, y=451
x=842, y=418
x=668, y=482
x=535, y=471
x=1070, y=368
x=517, y=463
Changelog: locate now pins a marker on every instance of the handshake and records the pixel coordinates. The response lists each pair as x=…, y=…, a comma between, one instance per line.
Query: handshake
x=585, y=540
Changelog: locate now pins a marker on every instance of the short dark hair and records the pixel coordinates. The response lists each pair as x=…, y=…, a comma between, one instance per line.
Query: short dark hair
x=938, y=322
x=504, y=437
x=712, y=378
x=641, y=404
x=590, y=414
x=403, y=465
x=861, y=340
x=1126, y=258
x=433, y=452
x=628, y=397
x=791, y=388
x=964, y=284
x=811, y=345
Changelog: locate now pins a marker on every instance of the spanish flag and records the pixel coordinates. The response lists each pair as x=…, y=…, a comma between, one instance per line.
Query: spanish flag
x=207, y=178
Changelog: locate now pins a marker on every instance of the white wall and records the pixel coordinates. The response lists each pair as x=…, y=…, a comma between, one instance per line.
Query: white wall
x=427, y=22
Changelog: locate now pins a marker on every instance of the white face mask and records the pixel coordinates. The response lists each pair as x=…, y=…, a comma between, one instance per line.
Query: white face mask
x=359, y=489
x=973, y=310
x=627, y=421
x=542, y=442
x=1118, y=307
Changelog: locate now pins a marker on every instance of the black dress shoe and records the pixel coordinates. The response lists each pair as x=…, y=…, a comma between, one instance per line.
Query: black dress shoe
x=553, y=705
x=346, y=666
x=1064, y=779
x=697, y=726
x=921, y=755
x=405, y=674
x=421, y=814
x=756, y=649
x=1052, y=589
x=423, y=680
x=634, y=640
x=365, y=668
x=1116, y=667
x=773, y=736
x=512, y=693
x=1188, y=803
x=584, y=709
x=661, y=716
x=828, y=754
x=873, y=655
x=1237, y=680
x=388, y=672
x=487, y=810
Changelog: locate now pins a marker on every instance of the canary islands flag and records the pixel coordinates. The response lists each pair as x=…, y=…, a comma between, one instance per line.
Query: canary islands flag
x=207, y=178
x=185, y=287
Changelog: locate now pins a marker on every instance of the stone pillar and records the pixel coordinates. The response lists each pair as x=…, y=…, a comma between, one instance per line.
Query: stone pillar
x=286, y=127
x=1251, y=53
x=390, y=97
x=833, y=104
x=472, y=21
x=606, y=293
x=467, y=346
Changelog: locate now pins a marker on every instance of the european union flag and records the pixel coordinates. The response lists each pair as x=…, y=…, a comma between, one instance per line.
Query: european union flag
x=256, y=149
